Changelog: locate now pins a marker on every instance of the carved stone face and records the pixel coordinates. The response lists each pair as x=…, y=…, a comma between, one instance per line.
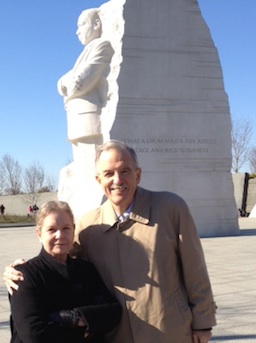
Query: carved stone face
x=87, y=28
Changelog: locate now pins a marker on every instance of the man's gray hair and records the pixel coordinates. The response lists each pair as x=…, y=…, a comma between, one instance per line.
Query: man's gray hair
x=119, y=146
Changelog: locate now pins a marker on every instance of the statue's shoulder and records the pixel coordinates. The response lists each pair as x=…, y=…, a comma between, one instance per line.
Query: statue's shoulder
x=100, y=43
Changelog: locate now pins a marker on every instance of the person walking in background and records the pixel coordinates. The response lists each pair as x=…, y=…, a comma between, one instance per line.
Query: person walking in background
x=35, y=209
x=146, y=248
x=2, y=209
x=30, y=211
x=61, y=299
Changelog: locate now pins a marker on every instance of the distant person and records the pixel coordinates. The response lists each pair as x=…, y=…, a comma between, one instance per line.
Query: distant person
x=30, y=211
x=61, y=299
x=2, y=209
x=146, y=247
x=85, y=87
x=35, y=209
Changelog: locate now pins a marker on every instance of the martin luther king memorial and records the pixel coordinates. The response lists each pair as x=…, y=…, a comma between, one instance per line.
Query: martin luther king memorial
x=166, y=99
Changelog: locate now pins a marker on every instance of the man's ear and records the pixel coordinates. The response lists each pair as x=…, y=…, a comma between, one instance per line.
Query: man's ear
x=97, y=24
x=98, y=179
x=138, y=175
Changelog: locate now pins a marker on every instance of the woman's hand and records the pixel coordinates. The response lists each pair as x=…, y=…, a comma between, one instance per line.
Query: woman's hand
x=11, y=275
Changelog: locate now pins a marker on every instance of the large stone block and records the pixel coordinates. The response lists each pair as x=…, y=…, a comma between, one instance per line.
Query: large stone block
x=173, y=110
x=166, y=99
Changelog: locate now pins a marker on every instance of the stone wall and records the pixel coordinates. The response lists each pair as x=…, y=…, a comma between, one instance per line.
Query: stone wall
x=244, y=191
x=18, y=204
x=174, y=111
x=251, y=195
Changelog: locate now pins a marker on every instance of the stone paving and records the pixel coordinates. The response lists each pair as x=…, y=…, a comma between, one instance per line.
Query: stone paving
x=231, y=264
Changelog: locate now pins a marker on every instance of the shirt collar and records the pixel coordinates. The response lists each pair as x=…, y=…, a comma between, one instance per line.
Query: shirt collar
x=139, y=210
x=123, y=217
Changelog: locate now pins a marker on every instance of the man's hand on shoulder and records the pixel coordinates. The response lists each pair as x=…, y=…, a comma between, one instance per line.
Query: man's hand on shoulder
x=201, y=336
x=11, y=275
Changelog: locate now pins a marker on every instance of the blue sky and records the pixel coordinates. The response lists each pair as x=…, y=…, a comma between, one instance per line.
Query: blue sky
x=38, y=45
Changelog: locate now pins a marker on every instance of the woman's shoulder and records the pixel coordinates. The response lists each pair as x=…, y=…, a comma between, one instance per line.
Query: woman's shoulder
x=32, y=267
x=83, y=267
x=32, y=272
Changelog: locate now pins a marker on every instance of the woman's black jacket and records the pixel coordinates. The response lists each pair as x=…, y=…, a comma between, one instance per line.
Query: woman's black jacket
x=50, y=286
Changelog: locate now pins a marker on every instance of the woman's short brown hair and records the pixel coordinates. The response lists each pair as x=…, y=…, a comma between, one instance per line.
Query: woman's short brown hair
x=49, y=207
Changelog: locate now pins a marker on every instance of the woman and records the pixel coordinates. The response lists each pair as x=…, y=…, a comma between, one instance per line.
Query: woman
x=61, y=300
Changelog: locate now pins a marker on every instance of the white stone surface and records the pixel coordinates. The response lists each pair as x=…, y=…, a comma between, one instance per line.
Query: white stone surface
x=166, y=100
x=253, y=212
x=88, y=94
x=238, y=182
x=173, y=109
x=85, y=87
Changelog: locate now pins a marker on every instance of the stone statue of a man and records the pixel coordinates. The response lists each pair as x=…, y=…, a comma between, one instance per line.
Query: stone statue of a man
x=85, y=87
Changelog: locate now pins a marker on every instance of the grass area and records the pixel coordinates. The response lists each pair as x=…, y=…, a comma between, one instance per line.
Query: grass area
x=16, y=219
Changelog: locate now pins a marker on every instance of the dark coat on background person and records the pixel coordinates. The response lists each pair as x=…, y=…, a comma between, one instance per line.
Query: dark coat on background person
x=155, y=264
x=50, y=286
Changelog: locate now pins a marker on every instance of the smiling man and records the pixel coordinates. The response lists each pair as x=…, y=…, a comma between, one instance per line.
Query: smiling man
x=146, y=248
x=118, y=174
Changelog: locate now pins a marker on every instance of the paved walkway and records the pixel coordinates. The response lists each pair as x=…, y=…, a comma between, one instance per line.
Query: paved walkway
x=231, y=263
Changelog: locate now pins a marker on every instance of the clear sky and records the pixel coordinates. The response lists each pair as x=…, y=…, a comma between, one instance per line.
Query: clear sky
x=39, y=44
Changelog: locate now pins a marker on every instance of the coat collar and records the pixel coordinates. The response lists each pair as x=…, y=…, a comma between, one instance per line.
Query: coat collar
x=53, y=264
x=140, y=210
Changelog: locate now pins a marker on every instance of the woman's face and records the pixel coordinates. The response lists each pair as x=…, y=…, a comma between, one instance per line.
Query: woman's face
x=57, y=234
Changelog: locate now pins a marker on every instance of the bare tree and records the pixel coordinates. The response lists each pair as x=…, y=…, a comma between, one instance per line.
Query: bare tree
x=252, y=160
x=2, y=181
x=33, y=179
x=50, y=184
x=12, y=174
x=30, y=182
x=240, y=137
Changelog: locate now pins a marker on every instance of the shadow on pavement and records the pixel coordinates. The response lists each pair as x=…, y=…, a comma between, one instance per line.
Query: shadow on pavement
x=232, y=337
x=248, y=232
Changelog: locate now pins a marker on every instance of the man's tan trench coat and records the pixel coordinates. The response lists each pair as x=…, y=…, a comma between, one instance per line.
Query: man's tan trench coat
x=155, y=266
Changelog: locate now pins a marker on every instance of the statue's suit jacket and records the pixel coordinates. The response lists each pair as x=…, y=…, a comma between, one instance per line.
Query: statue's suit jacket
x=155, y=265
x=86, y=88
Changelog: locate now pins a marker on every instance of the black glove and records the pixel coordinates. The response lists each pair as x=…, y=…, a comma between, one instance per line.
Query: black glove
x=68, y=318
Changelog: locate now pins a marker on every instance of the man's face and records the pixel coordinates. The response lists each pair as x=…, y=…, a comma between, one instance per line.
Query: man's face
x=118, y=178
x=86, y=30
